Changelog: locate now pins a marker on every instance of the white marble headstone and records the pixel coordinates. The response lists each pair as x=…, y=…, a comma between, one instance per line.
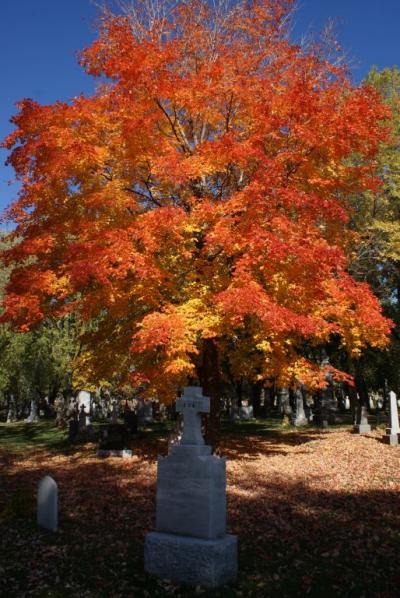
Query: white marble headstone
x=47, y=504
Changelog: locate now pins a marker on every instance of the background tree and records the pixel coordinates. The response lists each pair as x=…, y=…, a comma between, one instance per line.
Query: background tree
x=38, y=361
x=195, y=206
x=376, y=218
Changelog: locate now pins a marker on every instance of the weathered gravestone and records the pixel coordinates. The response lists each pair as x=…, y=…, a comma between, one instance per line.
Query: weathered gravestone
x=284, y=407
x=113, y=440
x=246, y=411
x=191, y=545
x=145, y=412
x=299, y=418
x=362, y=426
x=47, y=504
x=392, y=432
x=33, y=416
x=130, y=420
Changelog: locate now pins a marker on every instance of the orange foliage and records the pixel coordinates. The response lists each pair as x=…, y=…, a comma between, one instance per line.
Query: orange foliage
x=200, y=193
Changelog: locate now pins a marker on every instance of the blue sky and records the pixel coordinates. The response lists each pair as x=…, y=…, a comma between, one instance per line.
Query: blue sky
x=39, y=40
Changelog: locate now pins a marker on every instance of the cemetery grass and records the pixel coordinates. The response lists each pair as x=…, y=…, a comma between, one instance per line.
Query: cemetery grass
x=317, y=513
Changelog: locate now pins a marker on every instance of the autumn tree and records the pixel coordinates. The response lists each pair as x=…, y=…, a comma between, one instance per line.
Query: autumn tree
x=196, y=204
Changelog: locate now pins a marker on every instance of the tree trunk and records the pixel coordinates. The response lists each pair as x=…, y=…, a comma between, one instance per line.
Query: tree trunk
x=210, y=380
x=239, y=392
x=256, y=390
x=271, y=400
x=12, y=410
x=362, y=389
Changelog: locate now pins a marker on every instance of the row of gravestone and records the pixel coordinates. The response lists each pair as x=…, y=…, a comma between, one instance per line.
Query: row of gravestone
x=392, y=431
x=80, y=424
x=300, y=410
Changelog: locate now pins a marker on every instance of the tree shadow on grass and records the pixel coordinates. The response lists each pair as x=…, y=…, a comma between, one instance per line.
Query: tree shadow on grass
x=294, y=540
x=252, y=439
x=260, y=440
x=22, y=436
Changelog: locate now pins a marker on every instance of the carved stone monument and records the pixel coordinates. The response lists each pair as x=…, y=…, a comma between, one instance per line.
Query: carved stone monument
x=392, y=432
x=299, y=418
x=362, y=426
x=33, y=416
x=190, y=544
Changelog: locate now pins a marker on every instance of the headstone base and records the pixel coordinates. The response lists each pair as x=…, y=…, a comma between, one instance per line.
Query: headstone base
x=125, y=454
x=362, y=428
x=192, y=561
x=300, y=421
x=391, y=439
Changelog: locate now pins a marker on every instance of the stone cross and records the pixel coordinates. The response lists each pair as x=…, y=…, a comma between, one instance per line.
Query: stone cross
x=392, y=432
x=47, y=504
x=192, y=404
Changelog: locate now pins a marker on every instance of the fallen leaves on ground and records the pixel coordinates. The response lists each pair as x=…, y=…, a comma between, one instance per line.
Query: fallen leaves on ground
x=317, y=514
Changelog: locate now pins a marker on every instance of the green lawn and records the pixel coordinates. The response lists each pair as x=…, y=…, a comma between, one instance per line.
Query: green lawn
x=21, y=436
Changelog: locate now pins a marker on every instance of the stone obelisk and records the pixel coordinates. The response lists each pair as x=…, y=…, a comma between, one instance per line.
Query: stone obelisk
x=393, y=431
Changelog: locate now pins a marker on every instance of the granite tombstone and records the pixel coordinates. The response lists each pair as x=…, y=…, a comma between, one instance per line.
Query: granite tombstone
x=190, y=544
x=362, y=426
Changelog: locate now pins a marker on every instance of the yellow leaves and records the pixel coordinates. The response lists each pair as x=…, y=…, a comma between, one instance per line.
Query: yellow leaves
x=199, y=317
x=179, y=366
x=61, y=286
x=391, y=238
x=264, y=346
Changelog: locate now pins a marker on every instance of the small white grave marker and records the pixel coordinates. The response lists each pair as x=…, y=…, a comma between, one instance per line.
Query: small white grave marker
x=192, y=404
x=47, y=504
